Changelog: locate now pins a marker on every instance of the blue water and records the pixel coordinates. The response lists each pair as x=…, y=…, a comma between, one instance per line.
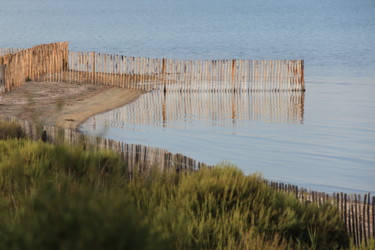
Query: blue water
x=330, y=147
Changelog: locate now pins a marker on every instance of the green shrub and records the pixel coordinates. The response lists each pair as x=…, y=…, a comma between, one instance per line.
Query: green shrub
x=220, y=208
x=24, y=163
x=66, y=197
x=69, y=216
x=370, y=245
x=11, y=130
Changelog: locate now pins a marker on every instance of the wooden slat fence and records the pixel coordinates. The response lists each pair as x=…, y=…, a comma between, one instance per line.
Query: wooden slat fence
x=33, y=63
x=112, y=70
x=357, y=212
x=233, y=75
x=142, y=157
x=4, y=53
x=185, y=75
x=53, y=62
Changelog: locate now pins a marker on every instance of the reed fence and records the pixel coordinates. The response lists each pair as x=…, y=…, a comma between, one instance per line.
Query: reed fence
x=34, y=63
x=184, y=75
x=53, y=62
x=358, y=214
x=135, y=156
x=3, y=53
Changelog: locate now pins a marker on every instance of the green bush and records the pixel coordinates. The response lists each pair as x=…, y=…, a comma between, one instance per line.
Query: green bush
x=65, y=197
x=10, y=130
x=370, y=245
x=69, y=216
x=216, y=209
x=24, y=163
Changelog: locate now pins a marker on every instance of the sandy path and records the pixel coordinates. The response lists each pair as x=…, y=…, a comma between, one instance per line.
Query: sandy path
x=63, y=104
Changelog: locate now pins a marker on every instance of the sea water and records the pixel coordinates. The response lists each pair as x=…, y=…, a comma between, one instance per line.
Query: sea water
x=324, y=139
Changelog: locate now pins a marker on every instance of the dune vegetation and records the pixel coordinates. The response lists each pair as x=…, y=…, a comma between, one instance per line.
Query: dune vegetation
x=65, y=197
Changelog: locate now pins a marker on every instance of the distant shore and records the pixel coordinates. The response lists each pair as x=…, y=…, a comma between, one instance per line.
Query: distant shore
x=64, y=105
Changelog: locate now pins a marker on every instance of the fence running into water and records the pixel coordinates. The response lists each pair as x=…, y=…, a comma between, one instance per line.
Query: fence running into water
x=185, y=75
x=357, y=213
x=53, y=62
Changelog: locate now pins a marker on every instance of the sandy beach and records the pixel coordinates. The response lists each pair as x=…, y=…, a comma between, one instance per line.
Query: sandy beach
x=64, y=105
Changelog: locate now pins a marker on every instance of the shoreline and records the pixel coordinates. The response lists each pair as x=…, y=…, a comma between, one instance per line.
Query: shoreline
x=64, y=105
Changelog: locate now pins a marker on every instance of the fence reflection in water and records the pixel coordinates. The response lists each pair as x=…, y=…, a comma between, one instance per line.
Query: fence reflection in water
x=174, y=109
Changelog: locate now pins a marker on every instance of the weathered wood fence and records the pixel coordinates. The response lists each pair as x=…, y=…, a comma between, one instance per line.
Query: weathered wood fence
x=185, y=75
x=133, y=155
x=3, y=53
x=53, y=62
x=34, y=63
x=357, y=213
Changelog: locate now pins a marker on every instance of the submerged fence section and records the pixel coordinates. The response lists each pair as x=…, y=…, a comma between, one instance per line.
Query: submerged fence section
x=233, y=75
x=53, y=62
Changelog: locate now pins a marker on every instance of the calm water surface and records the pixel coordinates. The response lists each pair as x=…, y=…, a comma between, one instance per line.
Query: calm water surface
x=308, y=139
x=324, y=139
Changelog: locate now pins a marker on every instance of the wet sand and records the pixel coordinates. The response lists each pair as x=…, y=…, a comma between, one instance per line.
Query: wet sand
x=64, y=105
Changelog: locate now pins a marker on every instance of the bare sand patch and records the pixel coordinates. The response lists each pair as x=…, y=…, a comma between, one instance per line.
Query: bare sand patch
x=64, y=105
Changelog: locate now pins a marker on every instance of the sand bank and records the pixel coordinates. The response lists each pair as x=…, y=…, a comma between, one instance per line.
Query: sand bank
x=64, y=105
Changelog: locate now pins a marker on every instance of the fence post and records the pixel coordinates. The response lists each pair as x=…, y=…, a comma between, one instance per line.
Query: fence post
x=93, y=67
x=233, y=72
x=368, y=216
x=65, y=52
x=163, y=74
x=2, y=78
x=303, y=75
x=364, y=219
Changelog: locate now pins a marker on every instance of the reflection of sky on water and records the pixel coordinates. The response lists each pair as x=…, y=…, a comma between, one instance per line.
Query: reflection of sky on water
x=316, y=139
